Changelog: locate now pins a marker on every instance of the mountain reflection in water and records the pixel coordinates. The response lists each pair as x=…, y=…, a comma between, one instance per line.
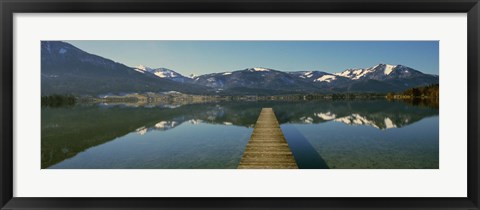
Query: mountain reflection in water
x=321, y=134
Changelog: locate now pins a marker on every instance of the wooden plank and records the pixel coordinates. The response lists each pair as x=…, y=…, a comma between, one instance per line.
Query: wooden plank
x=267, y=147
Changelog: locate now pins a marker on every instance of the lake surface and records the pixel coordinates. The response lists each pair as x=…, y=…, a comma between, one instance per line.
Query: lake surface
x=376, y=134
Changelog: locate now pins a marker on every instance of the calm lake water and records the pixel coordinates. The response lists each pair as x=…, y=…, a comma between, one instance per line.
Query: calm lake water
x=321, y=134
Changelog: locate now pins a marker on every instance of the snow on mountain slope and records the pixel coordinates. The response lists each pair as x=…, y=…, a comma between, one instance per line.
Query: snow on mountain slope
x=163, y=73
x=142, y=68
x=326, y=78
x=356, y=74
x=311, y=76
x=380, y=72
x=258, y=69
x=160, y=72
x=388, y=69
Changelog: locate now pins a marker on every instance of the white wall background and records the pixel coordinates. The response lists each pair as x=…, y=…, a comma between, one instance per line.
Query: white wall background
x=448, y=181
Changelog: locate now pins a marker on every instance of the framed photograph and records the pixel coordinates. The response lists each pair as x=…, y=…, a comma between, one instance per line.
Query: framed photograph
x=239, y=104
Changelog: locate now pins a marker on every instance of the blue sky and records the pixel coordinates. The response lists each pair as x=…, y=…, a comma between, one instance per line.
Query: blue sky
x=200, y=57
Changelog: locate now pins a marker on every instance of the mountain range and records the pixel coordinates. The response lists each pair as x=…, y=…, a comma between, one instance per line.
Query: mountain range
x=66, y=69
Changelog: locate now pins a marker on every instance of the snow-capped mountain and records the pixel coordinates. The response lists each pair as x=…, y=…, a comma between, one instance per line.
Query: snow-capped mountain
x=143, y=69
x=321, y=79
x=261, y=80
x=257, y=80
x=381, y=72
x=384, y=78
x=163, y=73
x=312, y=75
x=257, y=69
x=66, y=69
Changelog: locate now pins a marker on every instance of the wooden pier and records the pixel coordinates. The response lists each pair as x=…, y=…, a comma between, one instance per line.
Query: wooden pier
x=267, y=148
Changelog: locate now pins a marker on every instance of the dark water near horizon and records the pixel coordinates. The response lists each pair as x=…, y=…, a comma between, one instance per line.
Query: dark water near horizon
x=376, y=134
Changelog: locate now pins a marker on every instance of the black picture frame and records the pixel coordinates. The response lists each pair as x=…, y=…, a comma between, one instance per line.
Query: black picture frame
x=10, y=7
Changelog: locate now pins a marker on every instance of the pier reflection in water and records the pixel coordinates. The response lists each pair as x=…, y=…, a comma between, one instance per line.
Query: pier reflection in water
x=321, y=134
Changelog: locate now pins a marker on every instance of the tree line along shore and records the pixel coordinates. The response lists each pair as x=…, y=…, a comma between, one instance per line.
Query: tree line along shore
x=430, y=92
x=425, y=92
